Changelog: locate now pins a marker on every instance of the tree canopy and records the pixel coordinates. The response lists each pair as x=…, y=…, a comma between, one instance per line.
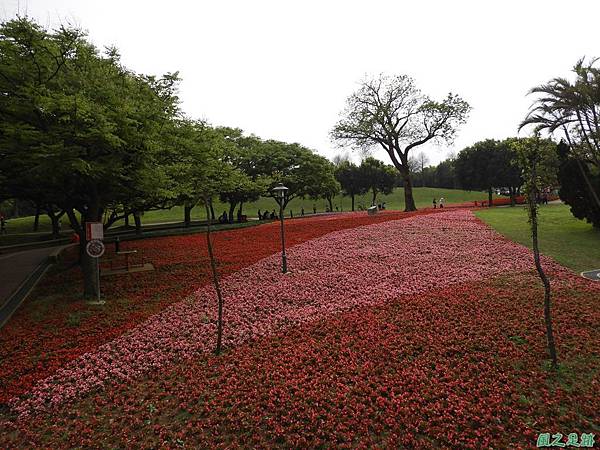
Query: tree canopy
x=82, y=135
x=487, y=165
x=391, y=113
x=572, y=109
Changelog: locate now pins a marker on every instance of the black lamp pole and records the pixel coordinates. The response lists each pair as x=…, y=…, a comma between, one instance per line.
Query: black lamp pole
x=283, y=255
x=280, y=196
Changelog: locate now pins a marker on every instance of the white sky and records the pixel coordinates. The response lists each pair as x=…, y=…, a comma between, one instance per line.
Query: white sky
x=282, y=69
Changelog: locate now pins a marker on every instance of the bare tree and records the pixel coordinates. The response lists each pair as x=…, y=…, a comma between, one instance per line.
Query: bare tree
x=340, y=158
x=423, y=160
x=414, y=165
x=530, y=153
x=392, y=113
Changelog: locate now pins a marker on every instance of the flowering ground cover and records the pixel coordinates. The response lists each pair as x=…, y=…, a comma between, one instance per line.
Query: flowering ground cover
x=54, y=326
x=406, y=333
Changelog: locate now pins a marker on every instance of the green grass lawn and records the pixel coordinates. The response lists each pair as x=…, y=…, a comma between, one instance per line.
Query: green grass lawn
x=423, y=198
x=573, y=243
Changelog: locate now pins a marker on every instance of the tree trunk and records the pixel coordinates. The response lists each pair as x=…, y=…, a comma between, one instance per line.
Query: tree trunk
x=409, y=201
x=36, y=220
x=126, y=220
x=54, y=218
x=512, y=196
x=330, y=201
x=212, y=212
x=138, y=222
x=374, y=197
x=187, y=215
x=352, y=197
x=78, y=228
x=215, y=276
x=231, y=211
x=531, y=200
x=241, y=210
x=490, y=201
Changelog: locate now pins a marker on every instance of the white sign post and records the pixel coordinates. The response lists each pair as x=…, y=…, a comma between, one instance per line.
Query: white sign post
x=94, y=230
x=94, y=233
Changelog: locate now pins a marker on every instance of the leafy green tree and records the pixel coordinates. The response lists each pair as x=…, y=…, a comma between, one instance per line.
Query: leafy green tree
x=351, y=180
x=242, y=153
x=390, y=112
x=80, y=123
x=475, y=169
x=378, y=177
x=574, y=188
x=303, y=172
x=445, y=175
x=486, y=165
x=326, y=186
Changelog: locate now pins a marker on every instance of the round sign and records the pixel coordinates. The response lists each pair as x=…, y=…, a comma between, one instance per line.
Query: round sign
x=95, y=248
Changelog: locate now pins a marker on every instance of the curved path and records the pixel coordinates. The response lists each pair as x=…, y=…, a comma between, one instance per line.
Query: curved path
x=15, y=270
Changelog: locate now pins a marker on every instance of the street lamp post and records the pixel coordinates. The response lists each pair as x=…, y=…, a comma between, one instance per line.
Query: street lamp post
x=280, y=191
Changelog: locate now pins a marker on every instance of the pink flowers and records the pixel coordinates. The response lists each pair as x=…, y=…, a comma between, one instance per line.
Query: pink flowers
x=425, y=332
x=369, y=265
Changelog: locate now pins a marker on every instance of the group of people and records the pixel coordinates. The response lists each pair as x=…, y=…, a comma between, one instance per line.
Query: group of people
x=266, y=215
x=224, y=218
x=441, y=202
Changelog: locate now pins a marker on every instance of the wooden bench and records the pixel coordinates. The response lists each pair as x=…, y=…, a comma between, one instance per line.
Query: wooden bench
x=128, y=254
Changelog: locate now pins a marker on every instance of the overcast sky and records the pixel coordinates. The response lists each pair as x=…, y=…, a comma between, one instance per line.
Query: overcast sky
x=282, y=69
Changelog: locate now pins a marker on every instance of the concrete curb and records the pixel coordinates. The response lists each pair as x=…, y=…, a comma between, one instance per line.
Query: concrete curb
x=17, y=298
x=593, y=275
x=20, y=294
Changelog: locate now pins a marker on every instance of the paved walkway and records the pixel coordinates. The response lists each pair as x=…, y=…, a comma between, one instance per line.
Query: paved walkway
x=16, y=267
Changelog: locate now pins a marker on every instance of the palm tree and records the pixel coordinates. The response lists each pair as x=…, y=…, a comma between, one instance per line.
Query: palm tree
x=573, y=108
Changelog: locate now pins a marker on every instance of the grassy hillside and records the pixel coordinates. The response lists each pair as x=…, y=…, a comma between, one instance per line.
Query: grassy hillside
x=572, y=242
x=423, y=198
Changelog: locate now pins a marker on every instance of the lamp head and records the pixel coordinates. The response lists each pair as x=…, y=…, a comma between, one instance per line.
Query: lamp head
x=280, y=190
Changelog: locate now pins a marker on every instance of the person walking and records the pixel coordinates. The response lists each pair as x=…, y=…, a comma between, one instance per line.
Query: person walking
x=434, y=203
x=441, y=202
x=2, y=225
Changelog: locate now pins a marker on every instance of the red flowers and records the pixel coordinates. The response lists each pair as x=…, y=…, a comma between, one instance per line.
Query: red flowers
x=405, y=333
x=53, y=328
x=454, y=367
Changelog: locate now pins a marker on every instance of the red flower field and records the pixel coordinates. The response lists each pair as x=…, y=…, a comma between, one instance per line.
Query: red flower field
x=52, y=328
x=424, y=332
